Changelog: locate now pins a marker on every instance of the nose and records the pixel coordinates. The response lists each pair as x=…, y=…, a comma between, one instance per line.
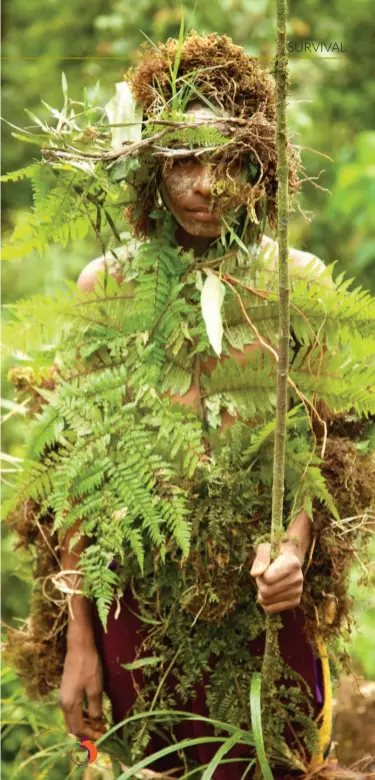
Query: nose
x=202, y=181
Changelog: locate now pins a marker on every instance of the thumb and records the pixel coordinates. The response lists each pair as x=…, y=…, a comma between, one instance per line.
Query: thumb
x=262, y=560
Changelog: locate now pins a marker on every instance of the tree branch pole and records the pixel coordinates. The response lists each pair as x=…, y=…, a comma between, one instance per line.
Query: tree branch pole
x=269, y=670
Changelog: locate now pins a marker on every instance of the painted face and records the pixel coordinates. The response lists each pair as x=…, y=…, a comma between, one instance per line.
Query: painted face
x=186, y=188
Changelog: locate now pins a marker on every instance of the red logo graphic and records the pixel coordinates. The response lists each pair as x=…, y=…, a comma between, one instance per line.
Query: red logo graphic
x=85, y=754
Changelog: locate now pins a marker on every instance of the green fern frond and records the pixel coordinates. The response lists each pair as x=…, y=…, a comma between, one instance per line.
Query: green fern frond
x=95, y=564
x=28, y=172
x=193, y=137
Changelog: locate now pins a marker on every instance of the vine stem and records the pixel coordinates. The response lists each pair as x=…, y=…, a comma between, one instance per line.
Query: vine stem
x=271, y=658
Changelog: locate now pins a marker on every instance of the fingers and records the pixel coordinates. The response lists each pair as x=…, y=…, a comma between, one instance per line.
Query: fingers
x=77, y=724
x=280, y=583
x=266, y=596
x=262, y=560
x=94, y=728
x=293, y=580
x=82, y=727
x=94, y=706
x=94, y=703
x=73, y=716
x=290, y=597
x=287, y=564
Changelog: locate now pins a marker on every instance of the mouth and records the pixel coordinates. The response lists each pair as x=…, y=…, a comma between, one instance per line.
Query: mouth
x=202, y=214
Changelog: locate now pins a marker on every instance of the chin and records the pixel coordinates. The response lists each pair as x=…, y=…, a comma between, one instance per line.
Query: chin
x=201, y=229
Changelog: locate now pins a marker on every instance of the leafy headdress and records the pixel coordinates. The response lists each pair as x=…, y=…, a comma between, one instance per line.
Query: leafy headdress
x=89, y=163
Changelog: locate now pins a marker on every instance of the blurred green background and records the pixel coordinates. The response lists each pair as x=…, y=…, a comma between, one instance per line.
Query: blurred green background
x=332, y=95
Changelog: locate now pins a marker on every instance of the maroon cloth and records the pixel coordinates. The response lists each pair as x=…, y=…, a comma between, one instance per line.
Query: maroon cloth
x=118, y=646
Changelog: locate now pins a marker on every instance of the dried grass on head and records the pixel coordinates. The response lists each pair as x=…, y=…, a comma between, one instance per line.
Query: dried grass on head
x=223, y=74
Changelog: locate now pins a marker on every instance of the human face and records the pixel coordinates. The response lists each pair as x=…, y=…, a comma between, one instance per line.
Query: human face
x=186, y=189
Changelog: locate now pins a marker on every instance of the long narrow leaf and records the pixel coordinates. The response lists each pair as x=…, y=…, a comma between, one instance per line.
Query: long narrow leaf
x=222, y=751
x=131, y=772
x=246, y=735
x=256, y=724
x=222, y=763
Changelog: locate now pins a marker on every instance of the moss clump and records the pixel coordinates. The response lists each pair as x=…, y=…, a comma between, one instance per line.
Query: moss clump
x=350, y=477
x=37, y=651
x=26, y=384
x=232, y=79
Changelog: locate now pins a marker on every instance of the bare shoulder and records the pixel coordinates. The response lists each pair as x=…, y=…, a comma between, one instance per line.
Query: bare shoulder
x=89, y=277
x=299, y=259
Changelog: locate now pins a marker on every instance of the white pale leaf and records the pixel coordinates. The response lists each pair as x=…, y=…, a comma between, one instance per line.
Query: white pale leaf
x=212, y=297
x=122, y=109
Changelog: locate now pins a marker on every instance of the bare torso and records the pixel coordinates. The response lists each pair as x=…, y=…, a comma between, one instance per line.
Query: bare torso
x=192, y=397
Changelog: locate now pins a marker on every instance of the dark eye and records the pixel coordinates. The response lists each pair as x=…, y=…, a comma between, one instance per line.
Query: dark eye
x=184, y=162
x=188, y=160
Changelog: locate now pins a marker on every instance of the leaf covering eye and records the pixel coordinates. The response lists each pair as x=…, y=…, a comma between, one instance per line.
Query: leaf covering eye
x=253, y=170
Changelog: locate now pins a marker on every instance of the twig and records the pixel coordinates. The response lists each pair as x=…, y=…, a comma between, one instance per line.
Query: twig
x=321, y=154
x=290, y=381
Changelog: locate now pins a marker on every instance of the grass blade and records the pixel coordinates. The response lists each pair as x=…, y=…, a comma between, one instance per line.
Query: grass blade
x=256, y=724
x=131, y=772
x=222, y=751
x=246, y=735
x=222, y=763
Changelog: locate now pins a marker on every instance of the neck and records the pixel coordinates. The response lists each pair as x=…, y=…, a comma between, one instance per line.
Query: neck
x=198, y=244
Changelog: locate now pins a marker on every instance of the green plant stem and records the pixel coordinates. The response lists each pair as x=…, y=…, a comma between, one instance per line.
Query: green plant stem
x=271, y=654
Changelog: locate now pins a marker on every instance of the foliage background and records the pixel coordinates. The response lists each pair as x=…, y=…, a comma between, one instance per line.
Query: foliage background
x=331, y=111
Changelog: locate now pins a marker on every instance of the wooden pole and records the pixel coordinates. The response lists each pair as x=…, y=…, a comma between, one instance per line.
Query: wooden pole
x=271, y=653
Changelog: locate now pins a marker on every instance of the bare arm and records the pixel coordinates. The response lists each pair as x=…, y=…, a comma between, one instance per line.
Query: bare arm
x=80, y=617
x=82, y=674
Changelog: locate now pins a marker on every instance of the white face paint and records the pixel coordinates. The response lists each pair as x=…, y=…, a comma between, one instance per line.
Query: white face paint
x=186, y=187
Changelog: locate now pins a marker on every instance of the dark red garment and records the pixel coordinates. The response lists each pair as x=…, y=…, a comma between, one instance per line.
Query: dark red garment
x=118, y=646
